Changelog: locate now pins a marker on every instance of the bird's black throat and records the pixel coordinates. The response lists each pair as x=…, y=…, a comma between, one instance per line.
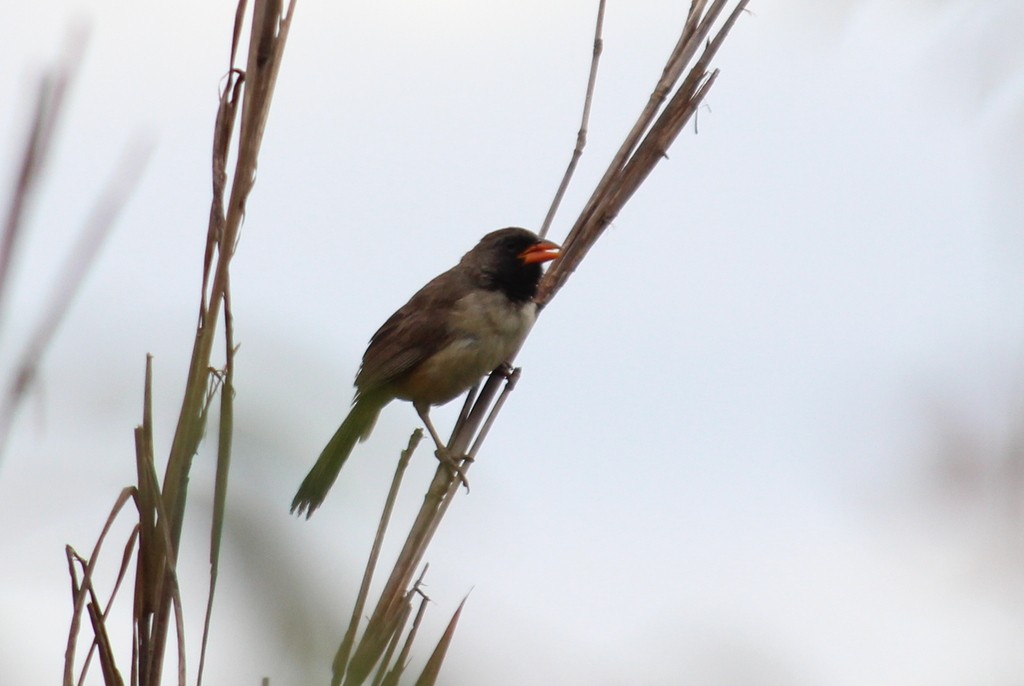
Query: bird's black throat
x=517, y=281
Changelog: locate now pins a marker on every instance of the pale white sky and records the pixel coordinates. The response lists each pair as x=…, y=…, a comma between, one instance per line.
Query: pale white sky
x=760, y=437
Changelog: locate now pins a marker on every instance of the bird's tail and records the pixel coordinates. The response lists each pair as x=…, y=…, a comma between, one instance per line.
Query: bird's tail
x=356, y=427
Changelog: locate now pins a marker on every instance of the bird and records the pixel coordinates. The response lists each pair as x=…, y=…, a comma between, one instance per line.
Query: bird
x=460, y=326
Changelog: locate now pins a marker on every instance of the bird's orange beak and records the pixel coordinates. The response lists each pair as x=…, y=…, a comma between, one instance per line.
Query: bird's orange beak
x=542, y=251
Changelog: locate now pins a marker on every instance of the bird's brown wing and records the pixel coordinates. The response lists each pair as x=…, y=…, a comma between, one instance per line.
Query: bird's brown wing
x=416, y=331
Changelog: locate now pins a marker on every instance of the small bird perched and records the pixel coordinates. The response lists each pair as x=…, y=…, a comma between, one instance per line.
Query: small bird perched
x=460, y=326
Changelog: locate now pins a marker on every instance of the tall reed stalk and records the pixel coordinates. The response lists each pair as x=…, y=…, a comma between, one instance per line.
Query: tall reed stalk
x=159, y=505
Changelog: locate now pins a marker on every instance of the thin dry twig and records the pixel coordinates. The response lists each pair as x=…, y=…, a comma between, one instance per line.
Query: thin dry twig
x=345, y=649
x=150, y=556
x=395, y=635
x=53, y=88
x=220, y=488
x=76, y=265
x=111, y=674
x=81, y=590
x=399, y=663
x=581, y=136
x=126, y=558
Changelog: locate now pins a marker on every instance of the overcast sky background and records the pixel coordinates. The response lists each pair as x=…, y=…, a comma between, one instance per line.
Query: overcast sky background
x=769, y=432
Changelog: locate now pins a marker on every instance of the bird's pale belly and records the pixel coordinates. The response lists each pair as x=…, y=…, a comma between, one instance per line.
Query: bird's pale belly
x=488, y=330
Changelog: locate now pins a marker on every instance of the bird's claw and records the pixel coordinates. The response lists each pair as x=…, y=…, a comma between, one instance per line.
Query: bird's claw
x=505, y=369
x=454, y=465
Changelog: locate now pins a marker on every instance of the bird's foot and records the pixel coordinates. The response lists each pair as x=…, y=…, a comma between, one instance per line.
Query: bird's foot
x=505, y=369
x=456, y=465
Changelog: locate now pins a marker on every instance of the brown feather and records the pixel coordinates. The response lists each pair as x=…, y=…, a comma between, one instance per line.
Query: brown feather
x=413, y=333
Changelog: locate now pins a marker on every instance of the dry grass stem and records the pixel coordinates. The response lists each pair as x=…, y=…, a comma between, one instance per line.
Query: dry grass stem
x=126, y=558
x=581, y=136
x=53, y=88
x=76, y=265
x=434, y=662
x=395, y=635
x=220, y=489
x=398, y=664
x=80, y=590
x=345, y=649
x=510, y=385
x=246, y=97
x=267, y=39
x=639, y=154
x=163, y=584
x=384, y=634
x=467, y=407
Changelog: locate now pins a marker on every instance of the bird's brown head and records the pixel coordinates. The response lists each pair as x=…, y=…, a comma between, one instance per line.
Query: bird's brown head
x=510, y=260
